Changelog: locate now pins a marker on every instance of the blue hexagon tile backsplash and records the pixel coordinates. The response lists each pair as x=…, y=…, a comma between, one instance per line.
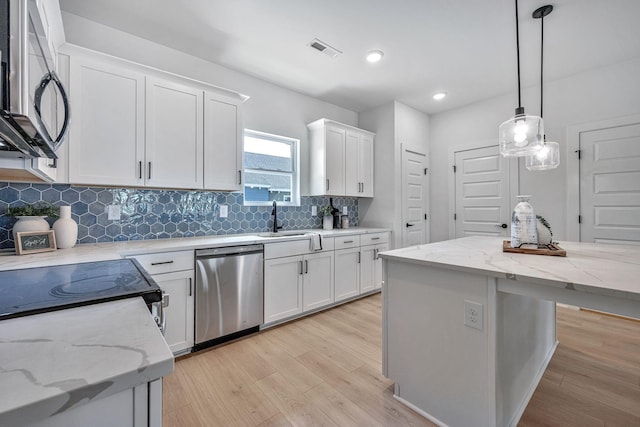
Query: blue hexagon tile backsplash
x=159, y=214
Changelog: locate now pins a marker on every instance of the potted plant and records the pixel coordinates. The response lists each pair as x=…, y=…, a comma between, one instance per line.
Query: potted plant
x=327, y=217
x=32, y=217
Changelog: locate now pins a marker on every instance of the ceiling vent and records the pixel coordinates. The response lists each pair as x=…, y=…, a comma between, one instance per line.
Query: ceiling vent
x=323, y=47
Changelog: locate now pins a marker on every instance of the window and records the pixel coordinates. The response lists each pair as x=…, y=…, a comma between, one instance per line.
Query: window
x=271, y=169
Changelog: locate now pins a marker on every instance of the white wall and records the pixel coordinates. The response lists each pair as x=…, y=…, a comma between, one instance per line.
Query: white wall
x=599, y=94
x=270, y=109
x=394, y=124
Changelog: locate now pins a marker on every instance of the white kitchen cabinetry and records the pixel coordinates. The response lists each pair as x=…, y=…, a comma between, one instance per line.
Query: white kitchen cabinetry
x=135, y=126
x=106, y=135
x=370, y=262
x=222, y=143
x=174, y=135
x=317, y=281
x=174, y=273
x=341, y=159
x=347, y=273
x=282, y=288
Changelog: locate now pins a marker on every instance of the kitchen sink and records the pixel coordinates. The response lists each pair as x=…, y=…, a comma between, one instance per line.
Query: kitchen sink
x=283, y=234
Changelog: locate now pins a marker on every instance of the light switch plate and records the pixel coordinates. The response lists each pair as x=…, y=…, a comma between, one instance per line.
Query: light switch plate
x=345, y=210
x=113, y=212
x=314, y=210
x=224, y=211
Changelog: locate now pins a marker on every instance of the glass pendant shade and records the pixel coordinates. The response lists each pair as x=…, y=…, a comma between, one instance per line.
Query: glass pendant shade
x=521, y=135
x=547, y=157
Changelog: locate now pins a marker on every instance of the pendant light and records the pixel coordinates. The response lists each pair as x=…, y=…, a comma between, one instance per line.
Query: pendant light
x=548, y=155
x=521, y=135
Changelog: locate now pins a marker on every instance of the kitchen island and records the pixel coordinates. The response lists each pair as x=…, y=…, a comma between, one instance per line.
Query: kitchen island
x=468, y=330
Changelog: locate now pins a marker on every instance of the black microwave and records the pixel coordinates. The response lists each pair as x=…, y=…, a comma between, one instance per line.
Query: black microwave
x=34, y=110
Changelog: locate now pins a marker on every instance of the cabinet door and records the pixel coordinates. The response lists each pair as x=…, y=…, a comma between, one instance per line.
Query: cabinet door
x=365, y=165
x=179, y=315
x=174, y=143
x=317, y=283
x=282, y=288
x=347, y=273
x=222, y=144
x=351, y=177
x=335, y=161
x=377, y=265
x=367, y=255
x=106, y=135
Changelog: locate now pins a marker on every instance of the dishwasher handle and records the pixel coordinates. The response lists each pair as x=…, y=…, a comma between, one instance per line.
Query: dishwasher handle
x=229, y=251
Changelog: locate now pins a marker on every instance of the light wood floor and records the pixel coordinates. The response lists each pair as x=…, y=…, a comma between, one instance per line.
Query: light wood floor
x=325, y=370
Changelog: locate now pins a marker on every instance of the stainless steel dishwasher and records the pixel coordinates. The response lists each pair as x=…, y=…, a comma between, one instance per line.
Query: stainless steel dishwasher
x=229, y=293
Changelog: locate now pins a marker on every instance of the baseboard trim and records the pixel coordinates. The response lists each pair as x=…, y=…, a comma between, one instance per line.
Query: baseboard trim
x=420, y=411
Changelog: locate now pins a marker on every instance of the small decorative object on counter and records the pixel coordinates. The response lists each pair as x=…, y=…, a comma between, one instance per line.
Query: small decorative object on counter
x=66, y=229
x=524, y=231
x=345, y=221
x=327, y=217
x=32, y=242
x=545, y=235
x=32, y=217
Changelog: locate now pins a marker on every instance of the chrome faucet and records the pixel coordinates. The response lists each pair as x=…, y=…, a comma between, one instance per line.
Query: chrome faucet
x=274, y=212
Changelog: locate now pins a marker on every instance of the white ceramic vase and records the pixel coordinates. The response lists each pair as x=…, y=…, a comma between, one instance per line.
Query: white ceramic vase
x=66, y=229
x=30, y=223
x=327, y=222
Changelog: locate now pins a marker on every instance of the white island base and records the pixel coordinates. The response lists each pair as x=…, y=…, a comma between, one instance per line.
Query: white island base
x=468, y=331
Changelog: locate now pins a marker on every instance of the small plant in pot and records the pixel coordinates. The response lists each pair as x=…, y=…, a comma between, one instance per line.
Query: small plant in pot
x=32, y=217
x=327, y=217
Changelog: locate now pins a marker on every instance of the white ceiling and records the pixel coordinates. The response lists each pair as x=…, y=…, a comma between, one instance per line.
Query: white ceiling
x=465, y=47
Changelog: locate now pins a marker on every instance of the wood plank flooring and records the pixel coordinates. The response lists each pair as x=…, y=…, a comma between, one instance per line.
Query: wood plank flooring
x=325, y=370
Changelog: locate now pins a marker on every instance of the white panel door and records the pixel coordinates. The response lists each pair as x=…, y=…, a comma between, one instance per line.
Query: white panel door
x=222, y=145
x=351, y=177
x=482, y=193
x=317, y=282
x=334, y=152
x=414, y=198
x=174, y=145
x=179, y=313
x=106, y=135
x=347, y=273
x=282, y=288
x=610, y=185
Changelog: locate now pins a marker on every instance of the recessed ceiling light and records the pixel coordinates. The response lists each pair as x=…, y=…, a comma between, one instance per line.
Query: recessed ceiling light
x=439, y=95
x=375, y=55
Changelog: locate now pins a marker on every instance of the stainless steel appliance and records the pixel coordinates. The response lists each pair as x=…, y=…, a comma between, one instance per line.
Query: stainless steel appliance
x=29, y=291
x=34, y=113
x=229, y=293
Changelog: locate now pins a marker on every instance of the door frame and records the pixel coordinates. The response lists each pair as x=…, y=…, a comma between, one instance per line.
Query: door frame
x=514, y=176
x=573, y=166
x=425, y=191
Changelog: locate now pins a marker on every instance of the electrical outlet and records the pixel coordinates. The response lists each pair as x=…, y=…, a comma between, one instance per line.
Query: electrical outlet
x=345, y=210
x=224, y=211
x=314, y=210
x=473, y=314
x=113, y=212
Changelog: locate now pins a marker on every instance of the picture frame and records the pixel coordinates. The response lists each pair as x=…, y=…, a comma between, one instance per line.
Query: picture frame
x=32, y=242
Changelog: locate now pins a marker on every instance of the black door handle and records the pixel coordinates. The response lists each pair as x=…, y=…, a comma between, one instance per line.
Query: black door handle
x=410, y=225
x=504, y=226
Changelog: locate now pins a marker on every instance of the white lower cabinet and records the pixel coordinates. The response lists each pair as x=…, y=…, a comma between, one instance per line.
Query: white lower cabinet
x=174, y=273
x=347, y=273
x=293, y=285
x=371, y=267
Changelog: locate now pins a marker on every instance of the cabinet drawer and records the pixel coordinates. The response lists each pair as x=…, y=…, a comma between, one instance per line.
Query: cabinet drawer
x=166, y=262
x=283, y=249
x=374, y=238
x=343, y=242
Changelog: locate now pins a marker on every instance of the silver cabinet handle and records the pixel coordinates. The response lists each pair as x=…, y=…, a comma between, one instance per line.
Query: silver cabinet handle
x=140, y=169
x=239, y=177
x=347, y=241
x=165, y=300
x=375, y=254
x=363, y=187
x=301, y=272
x=375, y=238
x=327, y=184
x=190, y=287
x=149, y=171
x=359, y=254
x=306, y=266
x=162, y=262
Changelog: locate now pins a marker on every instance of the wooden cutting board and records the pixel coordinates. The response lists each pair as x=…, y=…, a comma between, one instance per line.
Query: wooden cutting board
x=551, y=250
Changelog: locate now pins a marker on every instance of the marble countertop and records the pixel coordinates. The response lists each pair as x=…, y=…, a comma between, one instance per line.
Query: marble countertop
x=612, y=270
x=109, y=251
x=54, y=361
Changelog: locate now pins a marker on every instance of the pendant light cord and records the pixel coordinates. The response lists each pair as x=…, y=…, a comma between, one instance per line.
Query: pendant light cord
x=518, y=56
x=541, y=60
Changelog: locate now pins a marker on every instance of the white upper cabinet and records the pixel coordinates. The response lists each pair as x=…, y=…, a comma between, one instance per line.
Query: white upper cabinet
x=106, y=136
x=341, y=160
x=174, y=144
x=135, y=126
x=222, y=143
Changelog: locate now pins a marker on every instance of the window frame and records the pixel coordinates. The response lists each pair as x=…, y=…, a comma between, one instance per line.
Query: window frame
x=295, y=165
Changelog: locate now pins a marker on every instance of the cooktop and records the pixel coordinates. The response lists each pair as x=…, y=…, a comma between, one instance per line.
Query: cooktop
x=37, y=290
